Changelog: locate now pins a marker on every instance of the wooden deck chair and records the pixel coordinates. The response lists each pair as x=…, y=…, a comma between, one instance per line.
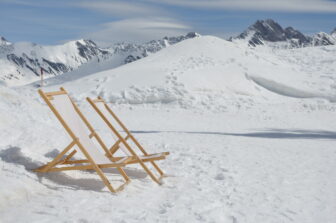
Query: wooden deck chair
x=122, y=143
x=81, y=133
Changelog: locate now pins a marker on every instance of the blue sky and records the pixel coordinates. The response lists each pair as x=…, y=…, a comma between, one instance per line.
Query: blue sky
x=54, y=22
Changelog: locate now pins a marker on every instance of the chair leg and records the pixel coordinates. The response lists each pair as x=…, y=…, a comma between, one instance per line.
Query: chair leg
x=104, y=179
x=122, y=172
x=149, y=172
x=145, y=153
x=157, y=168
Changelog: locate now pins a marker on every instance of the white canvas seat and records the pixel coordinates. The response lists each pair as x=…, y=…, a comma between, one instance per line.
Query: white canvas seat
x=64, y=106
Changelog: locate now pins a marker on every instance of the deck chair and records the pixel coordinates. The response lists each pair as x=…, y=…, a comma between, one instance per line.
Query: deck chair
x=82, y=133
x=109, y=117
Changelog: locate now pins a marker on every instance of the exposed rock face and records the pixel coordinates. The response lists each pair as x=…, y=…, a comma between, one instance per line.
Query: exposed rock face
x=268, y=31
x=89, y=49
x=134, y=52
x=3, y=41
x=295, y=35
x=323, y=39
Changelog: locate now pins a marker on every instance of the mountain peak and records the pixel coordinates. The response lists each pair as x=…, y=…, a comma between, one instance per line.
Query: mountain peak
x=3, y=41
x=263, y=30
x=270, y=31
x=86, y=42
x=270, y=24
x=333, y=33
x=195, y=34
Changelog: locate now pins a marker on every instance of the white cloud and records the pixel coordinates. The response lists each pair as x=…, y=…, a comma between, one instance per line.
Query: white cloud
x=138, y=30
x=258, y=5
x=122, y=8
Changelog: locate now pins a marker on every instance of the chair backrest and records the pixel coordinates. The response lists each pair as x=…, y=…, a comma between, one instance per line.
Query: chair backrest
x=101, y=106
x=67, y=111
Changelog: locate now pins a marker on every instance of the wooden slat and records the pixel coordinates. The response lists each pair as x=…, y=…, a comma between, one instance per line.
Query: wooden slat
x=53, y=93
x=92, y=134
x=75, y=161
x=147, y=160
x=50, y=97
x=84, y=167
x=144, y=159
x=114, y=148
x=68, y=157
x=98, y=100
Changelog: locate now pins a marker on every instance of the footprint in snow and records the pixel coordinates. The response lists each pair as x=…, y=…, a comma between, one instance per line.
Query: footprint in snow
x=220, y=176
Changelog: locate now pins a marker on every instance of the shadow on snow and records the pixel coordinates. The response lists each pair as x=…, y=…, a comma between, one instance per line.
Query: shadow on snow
x=267, y=133
x=15, y=156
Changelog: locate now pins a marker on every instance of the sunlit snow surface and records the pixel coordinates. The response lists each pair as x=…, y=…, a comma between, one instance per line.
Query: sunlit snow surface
x=251, y=134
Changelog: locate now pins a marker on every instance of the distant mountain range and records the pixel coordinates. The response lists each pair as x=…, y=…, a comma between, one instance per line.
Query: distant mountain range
x=268, y=31
x=134, y=52
x=22, y=62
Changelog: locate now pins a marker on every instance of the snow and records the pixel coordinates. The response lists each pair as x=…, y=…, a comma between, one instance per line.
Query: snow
x=250, y=133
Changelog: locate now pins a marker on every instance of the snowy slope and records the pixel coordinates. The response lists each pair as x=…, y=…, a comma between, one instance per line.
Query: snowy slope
x=251, y=134
x=212, y=74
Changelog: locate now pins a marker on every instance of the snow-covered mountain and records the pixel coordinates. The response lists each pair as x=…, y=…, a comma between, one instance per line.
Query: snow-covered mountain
x=134, y=52
x=20, y=63
x=324, y=39
x=271, y=33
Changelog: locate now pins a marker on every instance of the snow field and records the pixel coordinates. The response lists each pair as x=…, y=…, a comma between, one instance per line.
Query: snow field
x=237, y=169
x=251, y=135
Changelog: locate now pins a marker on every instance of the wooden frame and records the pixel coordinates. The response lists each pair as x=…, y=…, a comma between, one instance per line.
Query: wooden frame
x=151, y=158
x=90, y=163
